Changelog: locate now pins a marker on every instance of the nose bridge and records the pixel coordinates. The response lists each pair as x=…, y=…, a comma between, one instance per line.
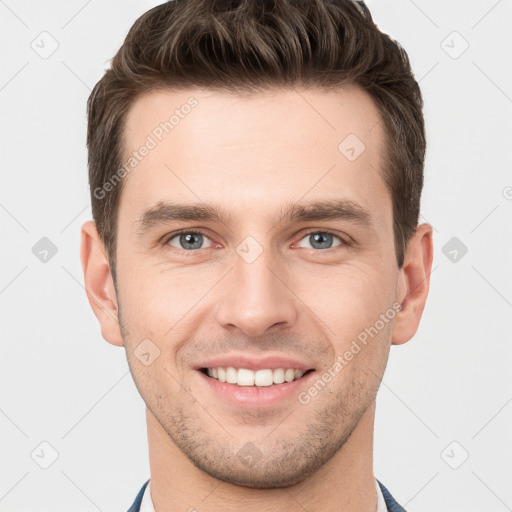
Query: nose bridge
x=255, y=298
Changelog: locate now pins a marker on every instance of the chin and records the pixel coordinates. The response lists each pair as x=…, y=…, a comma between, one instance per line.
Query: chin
x=261, y=478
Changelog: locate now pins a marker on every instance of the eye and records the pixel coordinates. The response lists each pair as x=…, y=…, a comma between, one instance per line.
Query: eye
x=188, y=240
x=320, y=240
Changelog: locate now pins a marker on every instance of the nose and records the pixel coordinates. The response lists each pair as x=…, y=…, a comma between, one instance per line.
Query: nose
x=255, y=297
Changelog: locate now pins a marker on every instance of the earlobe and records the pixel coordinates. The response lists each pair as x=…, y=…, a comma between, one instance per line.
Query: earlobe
x=99, y=284
x=413, y=284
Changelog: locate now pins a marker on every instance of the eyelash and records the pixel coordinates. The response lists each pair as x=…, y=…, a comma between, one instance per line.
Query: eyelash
x=344, y=242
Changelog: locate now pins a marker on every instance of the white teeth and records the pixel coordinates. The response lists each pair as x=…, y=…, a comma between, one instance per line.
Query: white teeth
x=231, y=375
x=261, y=378
x=278, y=376
x=289, y=376
x=245, y=377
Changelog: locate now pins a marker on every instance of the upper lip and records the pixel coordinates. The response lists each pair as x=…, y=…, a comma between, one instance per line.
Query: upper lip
x=254, y=363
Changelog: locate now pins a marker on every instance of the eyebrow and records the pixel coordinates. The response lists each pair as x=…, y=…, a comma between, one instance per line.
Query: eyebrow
x=340, y=209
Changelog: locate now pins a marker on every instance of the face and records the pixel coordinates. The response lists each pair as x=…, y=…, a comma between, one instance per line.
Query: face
x=255, y=245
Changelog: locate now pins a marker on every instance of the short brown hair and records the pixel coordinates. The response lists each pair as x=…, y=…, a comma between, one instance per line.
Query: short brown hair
x=249, y=46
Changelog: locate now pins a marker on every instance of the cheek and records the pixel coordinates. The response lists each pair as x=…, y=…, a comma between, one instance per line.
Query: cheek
x=158, y=303
x=348, y=300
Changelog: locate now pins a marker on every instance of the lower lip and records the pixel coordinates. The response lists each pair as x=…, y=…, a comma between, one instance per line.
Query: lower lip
x=252, y=396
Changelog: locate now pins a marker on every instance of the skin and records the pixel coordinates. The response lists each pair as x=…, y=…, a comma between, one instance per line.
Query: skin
x=252, y=156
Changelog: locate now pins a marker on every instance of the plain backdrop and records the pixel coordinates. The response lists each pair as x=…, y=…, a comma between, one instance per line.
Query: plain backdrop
x=68, y=402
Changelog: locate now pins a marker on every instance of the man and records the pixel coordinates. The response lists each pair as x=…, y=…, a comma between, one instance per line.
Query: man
x=256, y=170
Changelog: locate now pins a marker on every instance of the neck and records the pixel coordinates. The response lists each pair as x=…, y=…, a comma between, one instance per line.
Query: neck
x=345, y=483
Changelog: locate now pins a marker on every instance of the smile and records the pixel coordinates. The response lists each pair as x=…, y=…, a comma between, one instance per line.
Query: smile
x=259, y=378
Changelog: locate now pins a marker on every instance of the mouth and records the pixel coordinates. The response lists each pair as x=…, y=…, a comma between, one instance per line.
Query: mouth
x=262, y=378
x=251, y=381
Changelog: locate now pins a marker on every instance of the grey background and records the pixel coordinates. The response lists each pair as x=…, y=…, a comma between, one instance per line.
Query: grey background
x=446, y=395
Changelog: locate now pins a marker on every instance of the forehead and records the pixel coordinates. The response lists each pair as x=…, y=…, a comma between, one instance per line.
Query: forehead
x=257, y=150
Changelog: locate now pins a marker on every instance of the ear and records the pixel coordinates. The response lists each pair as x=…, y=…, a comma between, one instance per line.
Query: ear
x=413, y=284
x=99, y=284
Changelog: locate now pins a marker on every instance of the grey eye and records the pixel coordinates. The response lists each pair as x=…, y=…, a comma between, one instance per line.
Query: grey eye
x=188, y=241
x=320, y=240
